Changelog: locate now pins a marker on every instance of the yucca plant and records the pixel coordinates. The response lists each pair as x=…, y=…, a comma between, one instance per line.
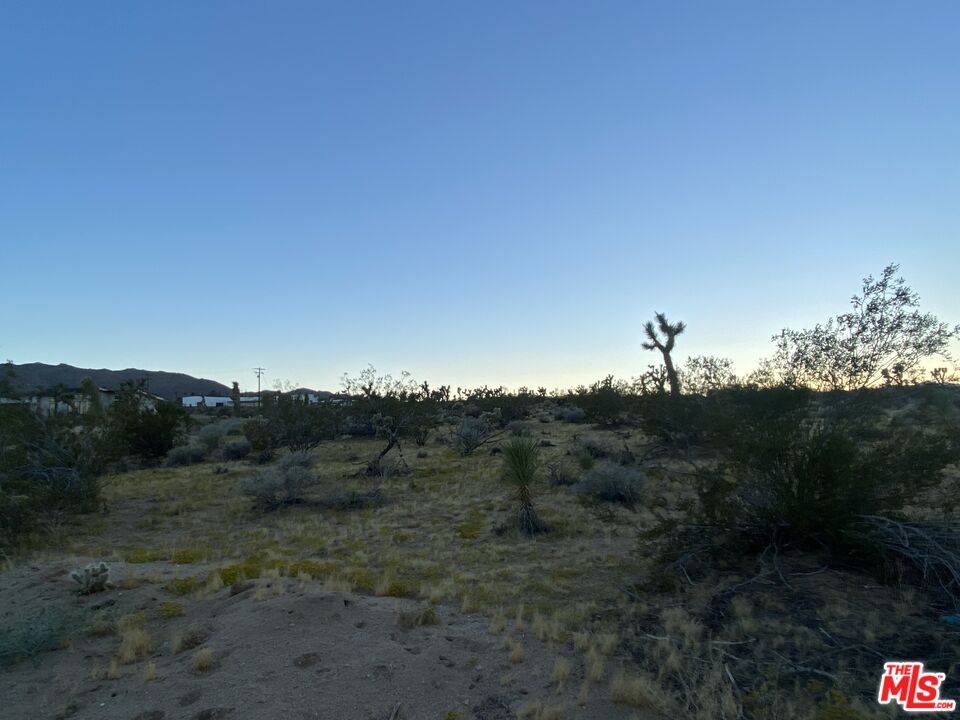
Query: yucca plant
x=521, y=462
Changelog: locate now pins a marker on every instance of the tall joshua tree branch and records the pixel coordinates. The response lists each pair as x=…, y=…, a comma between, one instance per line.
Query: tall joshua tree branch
x=665, y=345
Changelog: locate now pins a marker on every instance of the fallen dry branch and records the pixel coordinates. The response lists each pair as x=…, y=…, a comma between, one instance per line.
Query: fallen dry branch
x=933, y=549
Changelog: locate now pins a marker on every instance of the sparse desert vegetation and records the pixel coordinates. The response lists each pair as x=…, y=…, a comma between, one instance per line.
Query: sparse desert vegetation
x=749, y=550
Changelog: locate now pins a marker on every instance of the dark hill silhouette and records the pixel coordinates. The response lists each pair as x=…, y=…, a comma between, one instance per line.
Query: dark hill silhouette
x=168, y=385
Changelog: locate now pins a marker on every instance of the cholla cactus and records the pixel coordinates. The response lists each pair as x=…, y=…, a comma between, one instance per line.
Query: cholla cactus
x=92, y=578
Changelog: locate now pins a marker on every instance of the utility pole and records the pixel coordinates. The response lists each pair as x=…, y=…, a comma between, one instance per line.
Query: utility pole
x=259, y=371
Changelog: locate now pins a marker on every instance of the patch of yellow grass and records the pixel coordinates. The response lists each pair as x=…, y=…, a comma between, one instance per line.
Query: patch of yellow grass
x=150, y=672
x=498, y=623
x=181, y=586
x=135, y=644
x=518, y=625
x=339, y=584
x=607, y=642
x=593, y=665
x=540, y=626
x=203, y=660
x=635, y=691
x=561, y=672
x=168, y=610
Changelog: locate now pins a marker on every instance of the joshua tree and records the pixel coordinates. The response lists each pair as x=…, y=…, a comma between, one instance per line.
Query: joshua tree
x=521, y=461
x=235, y=397
x=665, y=345
x=92, y=393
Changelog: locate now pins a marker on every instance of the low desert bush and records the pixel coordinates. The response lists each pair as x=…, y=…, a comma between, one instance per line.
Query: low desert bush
x=260, y=434
x=473, y=432
x=204, y=660
x=570, y=414
x=518, y=428
x=23, y=638
x=210, y=436
x=596, y=447
x=284, y=484
x=611, y=483
x=409, y=619
x=192, y=636
x=809, y=483
x=232, y=426
x=48, y=469
x=560, y=474
x=236, y=449
x=352, y=500
x=185, y=455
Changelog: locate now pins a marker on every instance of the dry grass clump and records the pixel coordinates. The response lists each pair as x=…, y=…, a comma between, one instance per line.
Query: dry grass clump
x=110, y=672
x=338, y=583
x=203, y=660
x=498, y=623
x=561, y=672
x=536, y=710
x=540, y=626
x=150, y=672
x=189, y=638
x=168, y=610
x=636, y=691
x=517, y=654
x=593, y=665
x=607, y=642
x=135, y=641
x=409, y=619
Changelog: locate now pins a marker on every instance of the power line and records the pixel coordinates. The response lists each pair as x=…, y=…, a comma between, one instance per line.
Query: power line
x=259, y=371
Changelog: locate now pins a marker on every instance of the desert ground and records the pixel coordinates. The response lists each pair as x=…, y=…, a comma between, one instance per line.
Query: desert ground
x=429, y=606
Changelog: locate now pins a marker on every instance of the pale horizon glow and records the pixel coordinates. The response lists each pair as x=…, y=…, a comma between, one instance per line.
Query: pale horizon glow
x=474, y=194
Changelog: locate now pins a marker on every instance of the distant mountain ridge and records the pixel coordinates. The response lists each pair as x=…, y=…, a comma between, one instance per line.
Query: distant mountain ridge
x=168, y=385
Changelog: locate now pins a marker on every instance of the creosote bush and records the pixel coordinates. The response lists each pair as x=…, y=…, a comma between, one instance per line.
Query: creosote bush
x=24, y=637
x=608, y=482
x=473, y=432
x=236, y=449
x=284, y=484
x=185, y=455
x=808, y=483
x=210, y=436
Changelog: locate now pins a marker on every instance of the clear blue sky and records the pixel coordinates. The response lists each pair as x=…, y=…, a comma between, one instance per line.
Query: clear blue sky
x=475, y=192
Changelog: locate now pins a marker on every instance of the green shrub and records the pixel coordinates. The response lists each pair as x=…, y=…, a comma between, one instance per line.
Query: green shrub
x=47, y=469
x=808, y=482
x=473, y=432
x=608, y=482
x=560, y=474
x=285, y=484
x=185, y=455
x=211, y=436
x=236, y=449
x=570, y=414
x=139, y=425
x=260, y=435
x=26, y=637
x=352, y=500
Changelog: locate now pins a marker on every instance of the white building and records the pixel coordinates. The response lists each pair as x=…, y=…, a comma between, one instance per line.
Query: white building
x=206, y=401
